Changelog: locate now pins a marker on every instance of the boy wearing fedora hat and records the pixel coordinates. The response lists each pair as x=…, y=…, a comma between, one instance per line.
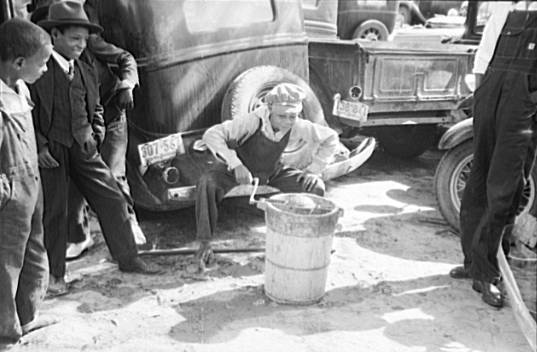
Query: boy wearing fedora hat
x=251, y=146
x=24, y=53
x=116, y=94
x=69, y=130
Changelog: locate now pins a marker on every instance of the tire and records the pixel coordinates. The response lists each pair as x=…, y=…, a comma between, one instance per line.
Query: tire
x=371, y=30
x=450, y=178
x=406, y=141
x=247, y=91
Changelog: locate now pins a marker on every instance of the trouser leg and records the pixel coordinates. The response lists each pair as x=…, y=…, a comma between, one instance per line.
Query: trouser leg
x=286, y=180
x=97, y=184
x=33, y=280
x=78, y=215
x=210, y=189
x=23, y=265
x=55, y=183
x=505, y=178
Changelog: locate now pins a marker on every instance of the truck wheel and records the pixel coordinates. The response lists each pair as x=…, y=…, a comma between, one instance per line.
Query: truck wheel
x=406, y=141
x=450, y=179
x=371, y=30
x=247, y=92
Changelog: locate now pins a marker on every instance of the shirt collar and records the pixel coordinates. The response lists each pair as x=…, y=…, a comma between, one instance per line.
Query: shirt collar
x=12, y=101
x=62, y=61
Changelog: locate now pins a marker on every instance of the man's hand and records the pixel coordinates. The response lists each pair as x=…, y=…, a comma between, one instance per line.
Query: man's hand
x=205, y=255
x=46, y=160
x=242, y=175
x=309, y=180
x=125, y=99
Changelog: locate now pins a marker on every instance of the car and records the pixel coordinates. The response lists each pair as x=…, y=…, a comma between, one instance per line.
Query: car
x=360, y=19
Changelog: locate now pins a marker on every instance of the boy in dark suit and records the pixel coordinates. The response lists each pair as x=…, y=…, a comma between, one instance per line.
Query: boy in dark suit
x=69, y=129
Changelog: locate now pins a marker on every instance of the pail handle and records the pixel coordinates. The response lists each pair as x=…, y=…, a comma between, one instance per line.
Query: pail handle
x=260, y=203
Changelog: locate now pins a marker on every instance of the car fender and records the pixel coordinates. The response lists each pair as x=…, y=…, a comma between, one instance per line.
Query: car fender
x=457, y=134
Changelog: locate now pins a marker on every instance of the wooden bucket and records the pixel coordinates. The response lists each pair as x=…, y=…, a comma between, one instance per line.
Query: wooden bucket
x=300, y=229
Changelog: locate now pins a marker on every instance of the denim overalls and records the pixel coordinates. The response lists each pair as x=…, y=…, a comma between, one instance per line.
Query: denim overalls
x=504, y=145
x=23, y=258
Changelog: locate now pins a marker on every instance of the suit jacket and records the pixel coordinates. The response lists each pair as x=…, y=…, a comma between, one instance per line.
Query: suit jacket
x=42, y=93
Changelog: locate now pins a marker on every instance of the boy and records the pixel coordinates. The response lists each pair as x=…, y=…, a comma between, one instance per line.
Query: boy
x=24, y=53
x=251, y=146
x=69, y=129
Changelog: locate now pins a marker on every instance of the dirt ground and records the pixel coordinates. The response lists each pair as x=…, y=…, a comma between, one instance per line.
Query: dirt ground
x=388, y=287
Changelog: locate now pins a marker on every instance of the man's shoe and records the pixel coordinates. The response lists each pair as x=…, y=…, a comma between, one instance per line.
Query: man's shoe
x=76, y=250
x=56, y=287
x=38, y=323
x=459, y=272
x=137, y=265
x=490, y=294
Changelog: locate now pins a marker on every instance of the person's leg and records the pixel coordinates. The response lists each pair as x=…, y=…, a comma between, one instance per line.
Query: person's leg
x=113, y=152
x=79, y=236
x=55, y=183
x=474, y=199
x=210, y=189
x=96, y=183
x=287, y=180
x=34, y=276
x=23, y=265
x=506, y=177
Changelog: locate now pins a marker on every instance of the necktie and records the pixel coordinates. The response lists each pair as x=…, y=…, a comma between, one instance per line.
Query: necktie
x=71, y=73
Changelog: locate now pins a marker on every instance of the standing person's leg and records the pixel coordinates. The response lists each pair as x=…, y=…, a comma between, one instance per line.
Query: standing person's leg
x=55, y=183
x=96, y=183
x=474, y=199
x=79, y=237
x=506, y=177
x=113, y=152
x=23, y=263
x=34, y=277
x=287, y=180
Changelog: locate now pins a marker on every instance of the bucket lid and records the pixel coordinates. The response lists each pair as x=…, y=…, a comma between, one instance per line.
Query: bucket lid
x=302, y=203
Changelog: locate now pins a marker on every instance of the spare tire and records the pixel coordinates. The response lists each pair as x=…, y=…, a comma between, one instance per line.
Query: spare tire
x=247, y=92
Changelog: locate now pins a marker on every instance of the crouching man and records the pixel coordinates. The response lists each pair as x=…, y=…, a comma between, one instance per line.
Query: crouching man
x=251, y=146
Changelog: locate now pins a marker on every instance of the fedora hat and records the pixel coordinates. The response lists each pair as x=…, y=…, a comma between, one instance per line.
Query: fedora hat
x=68, y=13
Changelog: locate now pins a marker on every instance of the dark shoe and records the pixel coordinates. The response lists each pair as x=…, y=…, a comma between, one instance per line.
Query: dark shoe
x=490, y=294
x=56, y=287
x=459, y=272
x=39, y=323
x=137, y=265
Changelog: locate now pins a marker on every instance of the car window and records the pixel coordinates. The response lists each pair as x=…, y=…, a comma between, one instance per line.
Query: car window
x=212, y=15
x=483, y=14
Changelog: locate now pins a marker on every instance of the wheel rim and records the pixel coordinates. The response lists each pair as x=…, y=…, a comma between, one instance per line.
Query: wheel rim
x=371, y=34
x=259, y=99
x=461, y=175
x=458, y=181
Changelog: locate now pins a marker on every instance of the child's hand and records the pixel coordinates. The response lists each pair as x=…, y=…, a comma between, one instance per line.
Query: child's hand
x=46, y=160
x=242, y=175
x=309, y=180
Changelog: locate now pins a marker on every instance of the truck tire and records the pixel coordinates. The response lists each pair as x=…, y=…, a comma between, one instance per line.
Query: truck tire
x=371, y=30
x=406, y=141
x=450, y=178
x=247, y=91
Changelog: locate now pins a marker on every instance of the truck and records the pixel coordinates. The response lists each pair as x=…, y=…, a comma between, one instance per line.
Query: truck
x=401, y=92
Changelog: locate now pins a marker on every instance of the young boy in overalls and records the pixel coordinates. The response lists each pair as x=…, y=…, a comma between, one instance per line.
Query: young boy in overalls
x=251, y=146
x=504, y=141
x=24, y=53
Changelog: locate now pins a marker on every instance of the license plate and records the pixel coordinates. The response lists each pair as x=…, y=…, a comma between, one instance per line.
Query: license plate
x=351, y=110
x=160, y=149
